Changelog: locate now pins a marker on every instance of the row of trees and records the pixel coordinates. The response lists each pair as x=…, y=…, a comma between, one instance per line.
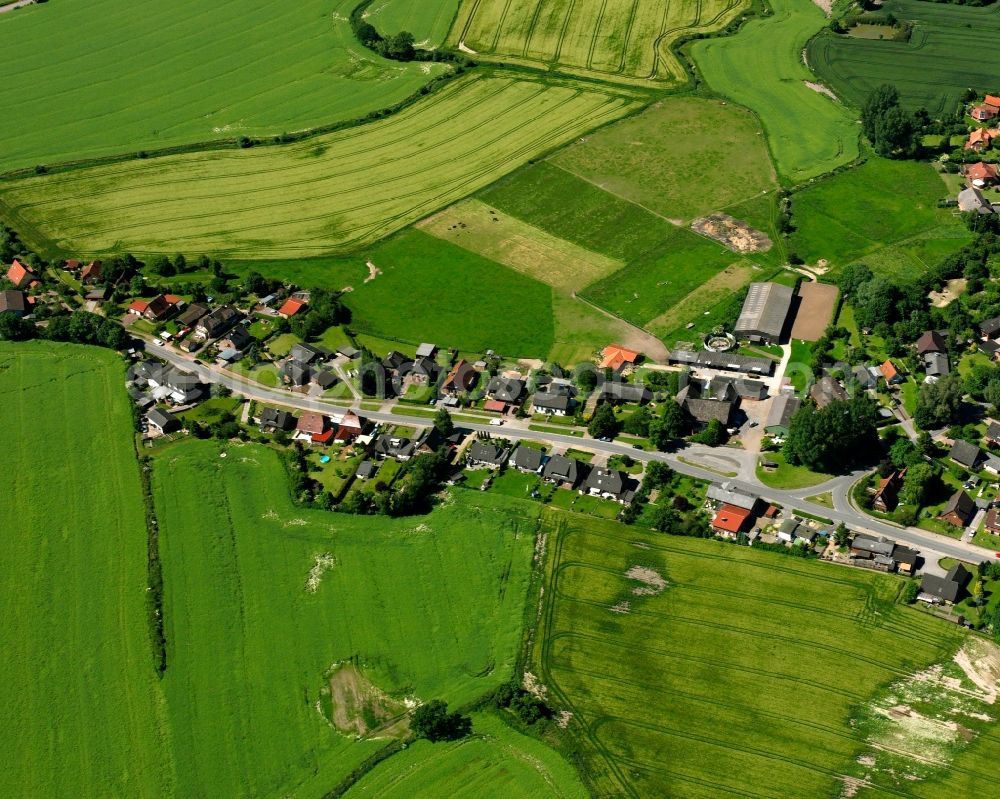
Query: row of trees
x=79, y=327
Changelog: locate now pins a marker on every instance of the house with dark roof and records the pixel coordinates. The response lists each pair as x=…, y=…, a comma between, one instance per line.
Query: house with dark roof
x=394, y=361
x=191, y=315
x=366, y=470
x=462, y=377
x=423, y=370
x=948, y=589
x=616, y=393
x=505, y=389
x=561, y=470
x=158, y=308
x=930, y=341
x=398, y=448
x=779, y=417
x=485, y=454
x=273, y=419
x=608, y=484
x=555, y=403
x=993, y=433
x=936, y=366
x=14, y=301
x=324, y=378
x=704, y=409
x=906, y=559
x=971, y=200
x=826, y=390
x=865, y=547
x=965, y=454
x=293, y=373
x=527, y=460
x=743, y=387
x=218, y=322
x=887, y=494
x=765, y=311
x=167, y=383
x=728, y=494
x=958, y=510
x=304, y=353
x=236, y=339
x=989, y=328
x=162, y=422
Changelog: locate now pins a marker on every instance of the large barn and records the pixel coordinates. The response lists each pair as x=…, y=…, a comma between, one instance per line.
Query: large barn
x=764, y=312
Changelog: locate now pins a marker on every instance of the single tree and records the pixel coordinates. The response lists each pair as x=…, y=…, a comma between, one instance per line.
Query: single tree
x=604, y=424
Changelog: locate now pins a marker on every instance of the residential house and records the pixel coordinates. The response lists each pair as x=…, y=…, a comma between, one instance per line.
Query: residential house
x=864, y=379
x=167, y=383
x=138, y=307
x=310, y=424
x=887, y=494
x=350, y=426
x=617, y=357
x=788, y=531
x=158, y=308
x=527, y=460
x=608, y=484
x=366, y=470
x=890, y=373
x=729, y=521
x=486, y=454
x=989, y=328
x=554, y=403
x=981, y=139
x=505, y=389
x=616, y=393
x=991, y=464
x=705, y=409
x=72, y=265
x=218, y=322
x=765, y=311
x=983, y=112
x=290, y=307
x=930, y=341
x=398, y=448
x=971, y=199
x=826, y=390
x=865, y=547
x=744, y=387
x=293, y=373
x=305, y=353
x=981, y=174
x=324, y=378
x=990, y=348
x=725, y=361
x=906, y=559
x=426, y=350
x=728, y=494
x=958, y=510
x=423, y=370
x=936, y=366
x=273, y=419
x=21, y=276
x=993, y=433
x=965, y=454
x=100, y=294
x=561, y=470
x=91, y=273
x=779, y=417
x=237, y=339
x=948, y=589
x=348, y=351
x=462, y=377
x=395, y=361
x=992, y=523
x=13, y=301
x=162, y=422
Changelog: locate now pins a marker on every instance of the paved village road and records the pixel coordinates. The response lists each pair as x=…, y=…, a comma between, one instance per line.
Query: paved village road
x=931, y=545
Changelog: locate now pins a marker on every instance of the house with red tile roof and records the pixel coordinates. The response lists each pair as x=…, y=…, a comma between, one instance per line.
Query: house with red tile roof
x=158, y=308
x=91, y=273
x=983, y=112
x=21, y=276
x=980, y=174
x=311, y=424
x=323, y=438
x=981, y=138
x=729, y=521
x=890, y=373
x=615, y=356
x=72, y=265
x=291, y=307
x=350, y=427
x=138, y=307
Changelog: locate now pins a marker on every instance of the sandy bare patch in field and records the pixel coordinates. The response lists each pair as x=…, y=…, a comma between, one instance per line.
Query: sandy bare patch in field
x=321, y=565
x=826, y=5
x=952, y=290
x=707, y=295
x=817, y=302
x=819, y=87
x=477, y=227
x=373, y=272
x=652, y=581
x=359, y=707
x=622, y=607
x=733, y=233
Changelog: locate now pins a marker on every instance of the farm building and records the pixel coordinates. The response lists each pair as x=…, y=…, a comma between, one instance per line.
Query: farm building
x=703, y=409
x=14, y=302
x=744, y=387
x=783, y=408
x=765, y=311
x=724, y=361
x=729, y=494
x=162, y=421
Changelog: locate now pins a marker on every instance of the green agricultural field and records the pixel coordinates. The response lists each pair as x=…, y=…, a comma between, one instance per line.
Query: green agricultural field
x=681, y=158
x=943, y=58
x=333, y=192
x=430, y=290
x=496, y=763
x=883, y=212
x=428, y=20
x=86, y=78
x=613, y=40
x=424, y=607
x=761, y=67
x=696, y=669
x=83, y=710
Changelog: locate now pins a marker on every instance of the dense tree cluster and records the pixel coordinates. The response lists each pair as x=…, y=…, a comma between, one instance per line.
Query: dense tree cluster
x=891, y=130
x=323, y=311
x=939, y=403
x=433, y=722
x=523, y=704
x=604, y=423
x=835, y=438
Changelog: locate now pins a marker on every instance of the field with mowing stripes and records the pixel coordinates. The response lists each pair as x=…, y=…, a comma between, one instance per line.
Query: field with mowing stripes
x=613, y=40
x=334, y=192
x=428, y=20
x=85, y=78
x=83, y=710
x=942, y=59
x=426, y=607
x=808, y=133
x=737, y=678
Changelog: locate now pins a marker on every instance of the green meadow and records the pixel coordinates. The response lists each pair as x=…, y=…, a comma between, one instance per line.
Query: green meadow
x=428, y=20
x=86, y=78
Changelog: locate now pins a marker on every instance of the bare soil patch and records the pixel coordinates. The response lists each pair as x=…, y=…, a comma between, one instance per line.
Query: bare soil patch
x=359, y=707
x=735, y=234
x=817, y=302
x=819, y=87
x=652, y=581
x=952, y=290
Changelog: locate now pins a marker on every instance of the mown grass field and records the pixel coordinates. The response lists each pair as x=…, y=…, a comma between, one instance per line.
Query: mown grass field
x=85, y=78
x=943, y=58
x=428, y=20
x=761, y=67
x=426, y=607
x=681, y=158
x=83, y=710
x=883, y=212
x=738, y=679
x=333, y=192
x=614, y=40
x=495, y=763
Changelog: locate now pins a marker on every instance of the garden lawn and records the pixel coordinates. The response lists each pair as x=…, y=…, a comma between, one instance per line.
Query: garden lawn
x=788, y=477
x=706, y=683
x=430, y=290
x=332, y=193
x=427, y=607
x=96, y=78
x=84, y=712
x=808, y=133
x=852, y=215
